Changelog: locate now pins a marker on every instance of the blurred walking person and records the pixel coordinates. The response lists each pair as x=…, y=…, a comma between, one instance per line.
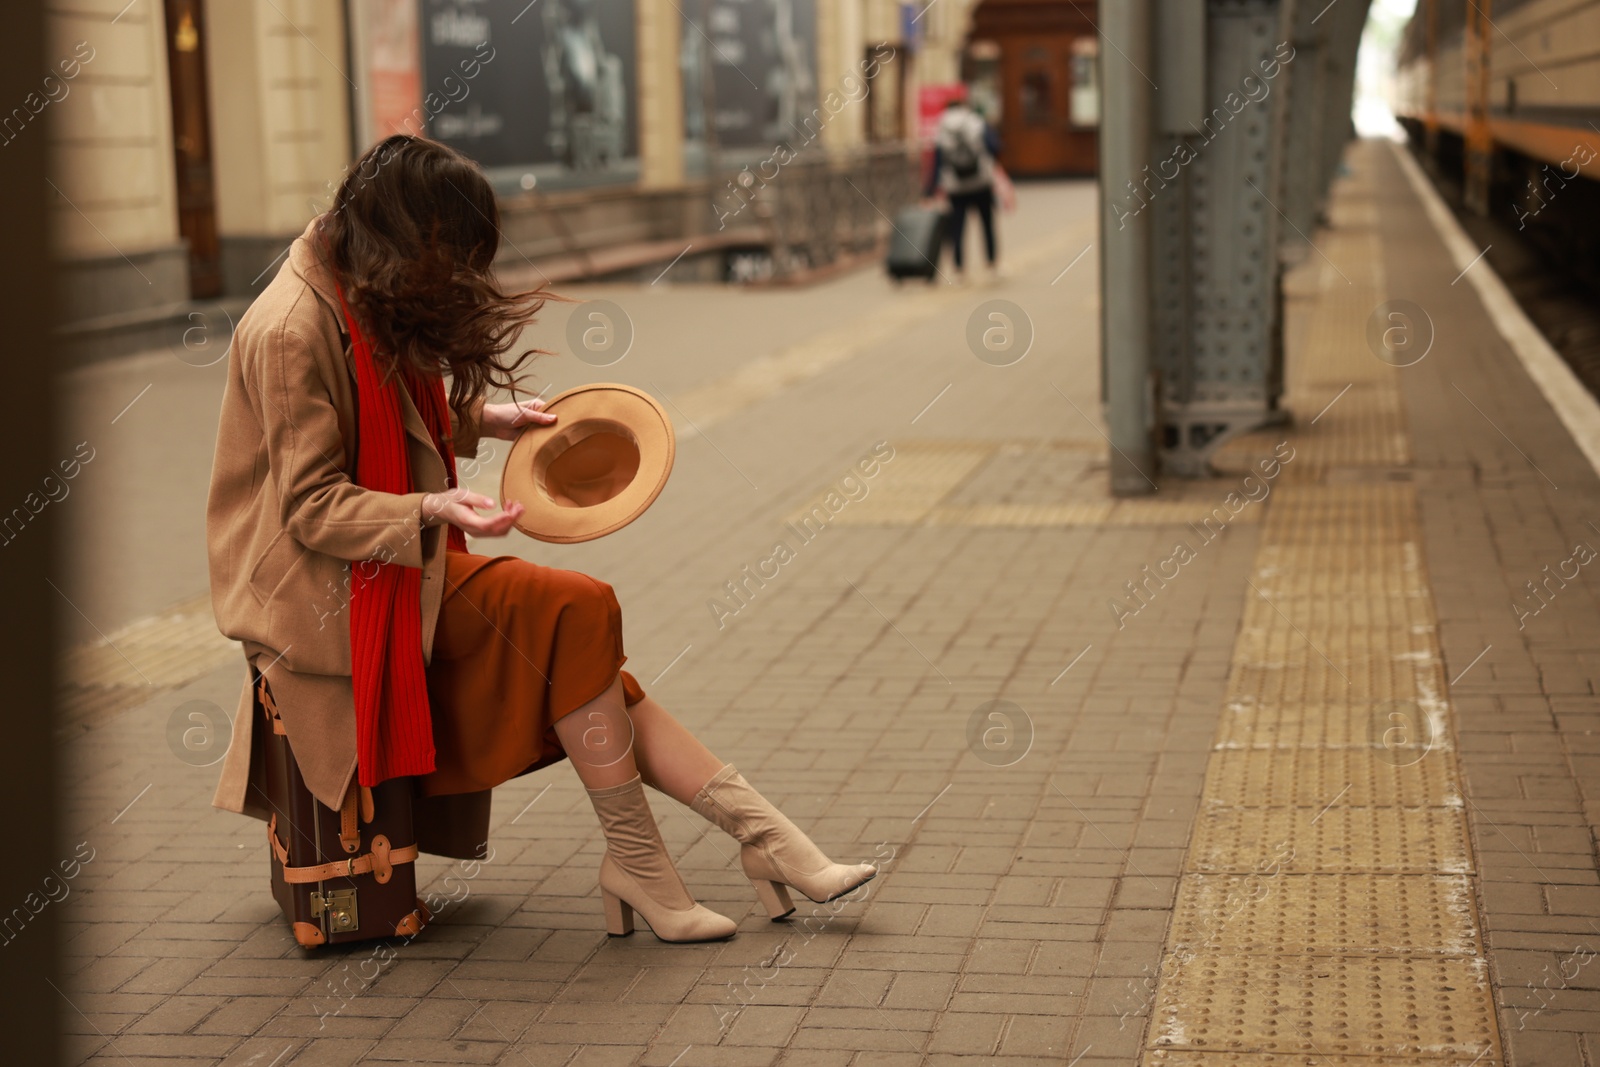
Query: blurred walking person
x=965, y=161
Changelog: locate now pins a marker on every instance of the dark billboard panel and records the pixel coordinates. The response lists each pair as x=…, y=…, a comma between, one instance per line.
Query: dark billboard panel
x=751, y=66
x=538, y=92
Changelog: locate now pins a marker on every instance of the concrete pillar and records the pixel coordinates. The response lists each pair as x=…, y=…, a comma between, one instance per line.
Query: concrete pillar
x=841, y=45
x=661, y=101
x=1125, y=138
x=1344, y=40
x=943, y=31
x=280, y=112
x=829, y=49
x=1302, y=171
x=114, y=206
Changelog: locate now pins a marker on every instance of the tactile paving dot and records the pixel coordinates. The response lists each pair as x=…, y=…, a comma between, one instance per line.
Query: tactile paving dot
x=1322, y=679
x=1250, y=723
x=1268, y=641
x=1183, y=1057
x=1307, y=515
x=1337, y=839
x=1423, y=1008
x=1366, y=427
x=1380, y=610
x=1357, y=554
x=1338, y=595
x=1325, y=914
x=1356, y=568
x=1327, y=585
x=1364, y=434
x=1313, y=777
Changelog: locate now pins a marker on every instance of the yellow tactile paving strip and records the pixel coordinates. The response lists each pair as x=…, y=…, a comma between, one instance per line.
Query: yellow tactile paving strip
x=1252, y=723
x=1339, y=840
x=1325, y=913
x=1356, y=914
x=1185, y=1058
x=1411, y=1008
x=1309, y=776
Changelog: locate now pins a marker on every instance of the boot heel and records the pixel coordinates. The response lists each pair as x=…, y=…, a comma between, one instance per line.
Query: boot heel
x=619, y=915
x=775, y=897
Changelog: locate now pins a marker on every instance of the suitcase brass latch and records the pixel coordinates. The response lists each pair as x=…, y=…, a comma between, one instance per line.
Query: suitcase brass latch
x=340, y=906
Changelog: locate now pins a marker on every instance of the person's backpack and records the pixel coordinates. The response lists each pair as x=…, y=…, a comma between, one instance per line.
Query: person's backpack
x=962, y=155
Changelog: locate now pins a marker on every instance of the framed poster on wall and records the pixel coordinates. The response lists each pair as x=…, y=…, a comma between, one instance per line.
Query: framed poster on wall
x=541, y=94
x=749, y=78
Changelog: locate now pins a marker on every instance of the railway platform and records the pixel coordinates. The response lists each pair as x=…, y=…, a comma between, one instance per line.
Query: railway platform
x=1298, y=764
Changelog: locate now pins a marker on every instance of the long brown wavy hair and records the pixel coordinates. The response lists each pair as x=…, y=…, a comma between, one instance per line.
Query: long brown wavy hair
x=411, y=237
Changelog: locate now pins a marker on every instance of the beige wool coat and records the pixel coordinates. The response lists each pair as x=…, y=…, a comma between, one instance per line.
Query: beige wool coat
x=284, y=522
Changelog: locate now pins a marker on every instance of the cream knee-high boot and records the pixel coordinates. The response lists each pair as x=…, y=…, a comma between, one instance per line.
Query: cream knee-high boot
x=636, y=873
x=775, y=853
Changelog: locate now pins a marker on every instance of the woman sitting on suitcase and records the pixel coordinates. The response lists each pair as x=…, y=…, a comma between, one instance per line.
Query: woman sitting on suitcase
x=462, y=670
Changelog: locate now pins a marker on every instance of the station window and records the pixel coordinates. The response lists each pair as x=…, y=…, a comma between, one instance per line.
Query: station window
x=1084, y=105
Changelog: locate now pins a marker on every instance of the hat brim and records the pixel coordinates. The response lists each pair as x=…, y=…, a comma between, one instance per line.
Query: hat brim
x=583, y=410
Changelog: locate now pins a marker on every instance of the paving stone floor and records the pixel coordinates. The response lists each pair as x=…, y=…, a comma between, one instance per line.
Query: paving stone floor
x=1027, y=883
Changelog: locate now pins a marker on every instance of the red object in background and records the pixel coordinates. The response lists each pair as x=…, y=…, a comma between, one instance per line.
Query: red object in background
x=931, y=101
x=394, y=69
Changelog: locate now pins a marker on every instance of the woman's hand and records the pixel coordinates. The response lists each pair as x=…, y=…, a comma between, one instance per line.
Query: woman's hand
x=505, y=421
x=460, y=507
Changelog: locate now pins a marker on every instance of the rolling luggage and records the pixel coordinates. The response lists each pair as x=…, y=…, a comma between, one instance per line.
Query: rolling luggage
x=346, y=875
x=915, y=241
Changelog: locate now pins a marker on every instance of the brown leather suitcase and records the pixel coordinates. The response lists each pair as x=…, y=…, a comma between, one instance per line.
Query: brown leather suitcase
x=346, y=875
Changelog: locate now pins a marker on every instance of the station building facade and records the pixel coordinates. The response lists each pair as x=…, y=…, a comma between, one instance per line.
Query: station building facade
x=196, y=138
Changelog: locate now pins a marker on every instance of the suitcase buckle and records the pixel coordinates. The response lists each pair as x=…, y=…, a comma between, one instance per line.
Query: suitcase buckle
x=340, y=907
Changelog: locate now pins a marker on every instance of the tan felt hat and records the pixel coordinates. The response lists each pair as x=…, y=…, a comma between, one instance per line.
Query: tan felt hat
x=604, y=461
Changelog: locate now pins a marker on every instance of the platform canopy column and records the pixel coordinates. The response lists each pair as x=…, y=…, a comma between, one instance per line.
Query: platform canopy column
x=1250, y=108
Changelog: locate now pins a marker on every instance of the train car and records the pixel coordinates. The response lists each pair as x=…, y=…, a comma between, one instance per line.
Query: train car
x=1505, y=97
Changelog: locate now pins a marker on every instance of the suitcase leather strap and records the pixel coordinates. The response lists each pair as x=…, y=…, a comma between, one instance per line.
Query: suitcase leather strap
x=270, y=708
x=349, y=832
x=379, y=862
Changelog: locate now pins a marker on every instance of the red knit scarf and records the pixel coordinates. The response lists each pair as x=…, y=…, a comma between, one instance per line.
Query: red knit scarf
x=394, y=725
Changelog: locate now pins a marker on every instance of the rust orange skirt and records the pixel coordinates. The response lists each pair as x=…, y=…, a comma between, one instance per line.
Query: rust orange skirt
x=517, y=647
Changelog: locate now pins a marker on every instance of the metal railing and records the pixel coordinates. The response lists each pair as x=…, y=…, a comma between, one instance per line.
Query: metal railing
x=818, y=209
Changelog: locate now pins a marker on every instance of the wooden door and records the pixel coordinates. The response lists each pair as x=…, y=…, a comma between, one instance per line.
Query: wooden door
x=1046, y=128
x=191, y=140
